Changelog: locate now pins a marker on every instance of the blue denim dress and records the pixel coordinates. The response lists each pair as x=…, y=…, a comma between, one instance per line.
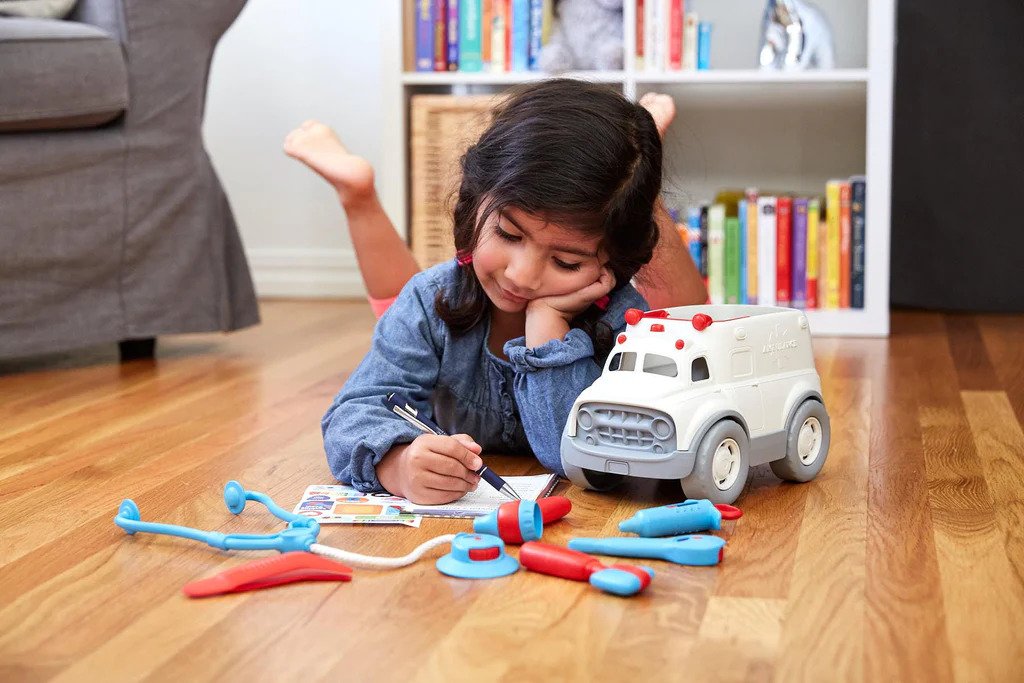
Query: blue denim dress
x=514, y=406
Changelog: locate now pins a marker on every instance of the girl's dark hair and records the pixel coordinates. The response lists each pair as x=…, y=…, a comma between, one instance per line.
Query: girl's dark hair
x=576, y=153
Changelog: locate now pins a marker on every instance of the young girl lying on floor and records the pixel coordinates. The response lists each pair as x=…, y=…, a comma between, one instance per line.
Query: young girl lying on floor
x=557, y=211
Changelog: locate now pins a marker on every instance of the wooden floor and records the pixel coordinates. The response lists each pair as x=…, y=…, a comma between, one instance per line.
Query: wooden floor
x=904, y=560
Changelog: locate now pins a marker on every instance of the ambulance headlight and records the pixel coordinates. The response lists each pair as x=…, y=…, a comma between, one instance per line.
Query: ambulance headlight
x=662, y=428
x=585, y=419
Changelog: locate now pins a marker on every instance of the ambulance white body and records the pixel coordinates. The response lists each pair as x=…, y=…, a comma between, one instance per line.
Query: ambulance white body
x=701, y=394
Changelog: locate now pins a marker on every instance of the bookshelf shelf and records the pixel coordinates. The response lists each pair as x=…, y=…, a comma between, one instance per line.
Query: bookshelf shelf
x=739, y=126
x=487, y=78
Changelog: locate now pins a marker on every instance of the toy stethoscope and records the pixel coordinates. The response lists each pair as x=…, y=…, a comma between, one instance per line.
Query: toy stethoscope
x=300, y=534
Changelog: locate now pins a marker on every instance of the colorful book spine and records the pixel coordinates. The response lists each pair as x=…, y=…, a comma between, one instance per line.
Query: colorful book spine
x=424, y=35
x=675, y=35
x=640, y=28
x=741, y=216
x=845, y=230
x=783, y=250
x=751, y=252
x=832, y=240
x=732, y=260
x=536, y=33
x=857, y=208
x=705, y=246
x=520, y=35
x=704, y=46
x=813, y=213
x=716, y=257
x=766, y=251
x=652, y=8
x=453, y=35
x=470, y=47
x=440, y=35
x=499, y=30
x=690, y=24
x=486, y=32
x=798, y=285
x=693, y=234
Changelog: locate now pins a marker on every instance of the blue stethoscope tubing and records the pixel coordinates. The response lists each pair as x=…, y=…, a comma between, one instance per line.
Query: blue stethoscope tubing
x=300, y=535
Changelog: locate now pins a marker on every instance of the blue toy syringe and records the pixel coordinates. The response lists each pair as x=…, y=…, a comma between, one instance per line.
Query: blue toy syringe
x=694, y=550
x=679, y=518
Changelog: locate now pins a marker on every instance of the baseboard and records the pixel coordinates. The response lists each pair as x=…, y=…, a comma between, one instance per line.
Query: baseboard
x=305, y=273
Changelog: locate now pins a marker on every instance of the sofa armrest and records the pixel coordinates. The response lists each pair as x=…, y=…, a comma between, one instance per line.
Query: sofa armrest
x=105, y=14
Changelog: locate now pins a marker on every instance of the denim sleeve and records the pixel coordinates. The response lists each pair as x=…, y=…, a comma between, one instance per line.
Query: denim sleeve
x=404, y=357
x=549, y=378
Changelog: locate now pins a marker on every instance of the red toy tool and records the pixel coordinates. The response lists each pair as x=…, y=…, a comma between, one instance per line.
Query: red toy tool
x=620, y=579
x=270, y=571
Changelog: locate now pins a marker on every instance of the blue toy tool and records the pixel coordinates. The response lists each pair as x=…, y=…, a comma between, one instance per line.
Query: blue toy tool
x=477, y=556
x=679, y=518
x=695, y=550
x=300, y=534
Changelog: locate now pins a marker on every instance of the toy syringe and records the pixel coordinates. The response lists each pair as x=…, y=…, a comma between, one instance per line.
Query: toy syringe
x=679, y=518
x=695, y=550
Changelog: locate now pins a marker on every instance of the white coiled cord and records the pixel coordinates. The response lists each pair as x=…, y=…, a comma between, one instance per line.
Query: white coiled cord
x=380, y=562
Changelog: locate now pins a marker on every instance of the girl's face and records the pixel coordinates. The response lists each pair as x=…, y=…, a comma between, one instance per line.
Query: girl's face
x=520, y=257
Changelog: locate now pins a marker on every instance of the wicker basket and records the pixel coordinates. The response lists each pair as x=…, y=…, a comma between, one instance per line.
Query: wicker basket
x=442, y=128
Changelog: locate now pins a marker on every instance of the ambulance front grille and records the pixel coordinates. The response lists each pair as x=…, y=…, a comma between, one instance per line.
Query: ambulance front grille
x=625, y=427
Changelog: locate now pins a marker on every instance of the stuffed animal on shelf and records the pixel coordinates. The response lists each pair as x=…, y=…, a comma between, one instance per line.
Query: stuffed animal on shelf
x=587, y=35
x=795, y=35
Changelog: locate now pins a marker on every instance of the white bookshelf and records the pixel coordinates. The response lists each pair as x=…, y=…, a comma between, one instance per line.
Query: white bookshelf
x=736, y=126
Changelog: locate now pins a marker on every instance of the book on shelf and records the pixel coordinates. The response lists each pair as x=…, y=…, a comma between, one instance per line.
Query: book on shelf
x=832, y=240
x=703, y=46
x=766, y=245
x=858, y=186
x=716, y=253
x=472, y=36
x=844, y=245
x=783, y=253
x=470, y=53
x=668, y=38
x=775, y=248
x=813, y=209
x=690, y=23
x=750, y=202
x=798, y=259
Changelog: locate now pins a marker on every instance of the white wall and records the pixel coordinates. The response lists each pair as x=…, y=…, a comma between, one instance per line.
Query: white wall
x=283, y=62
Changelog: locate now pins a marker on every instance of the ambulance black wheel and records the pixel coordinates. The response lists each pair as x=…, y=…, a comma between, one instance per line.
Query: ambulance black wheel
x=591, y=479
x=806, y=444
x=721, y=464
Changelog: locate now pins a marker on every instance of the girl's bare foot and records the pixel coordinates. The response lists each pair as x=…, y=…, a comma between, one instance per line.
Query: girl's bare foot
x=662, y=109
x=317, y=146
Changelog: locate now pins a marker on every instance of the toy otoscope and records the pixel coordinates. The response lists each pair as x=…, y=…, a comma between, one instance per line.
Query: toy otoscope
x=620, y=579
x=679, y=518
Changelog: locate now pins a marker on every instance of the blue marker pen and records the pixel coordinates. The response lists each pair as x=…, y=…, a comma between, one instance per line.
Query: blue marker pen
x=398, y=405
x=679, y=518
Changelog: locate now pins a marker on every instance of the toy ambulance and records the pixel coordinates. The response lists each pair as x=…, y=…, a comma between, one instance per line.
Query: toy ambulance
x=701, y=394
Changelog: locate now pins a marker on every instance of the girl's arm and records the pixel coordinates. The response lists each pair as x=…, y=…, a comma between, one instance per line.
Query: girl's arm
x=404, y=357
x=551, y=376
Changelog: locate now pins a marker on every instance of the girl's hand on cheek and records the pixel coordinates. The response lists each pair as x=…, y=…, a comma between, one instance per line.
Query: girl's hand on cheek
x=568, y=306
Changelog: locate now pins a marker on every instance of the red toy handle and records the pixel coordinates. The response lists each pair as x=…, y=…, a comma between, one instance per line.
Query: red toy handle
x=728, y=511
x=554, y=508
x=558, y=561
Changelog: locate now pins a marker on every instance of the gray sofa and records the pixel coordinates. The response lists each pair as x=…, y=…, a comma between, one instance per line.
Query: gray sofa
x=113, y=224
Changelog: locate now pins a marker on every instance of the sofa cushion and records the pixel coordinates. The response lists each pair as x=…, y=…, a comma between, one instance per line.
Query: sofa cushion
x=56, y=75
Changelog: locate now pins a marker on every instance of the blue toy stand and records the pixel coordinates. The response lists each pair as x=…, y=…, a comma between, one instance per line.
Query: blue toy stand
x=477, y=556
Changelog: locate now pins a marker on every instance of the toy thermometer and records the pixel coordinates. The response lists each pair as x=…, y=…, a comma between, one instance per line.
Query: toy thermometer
x=695, y=551
x=679, y=518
